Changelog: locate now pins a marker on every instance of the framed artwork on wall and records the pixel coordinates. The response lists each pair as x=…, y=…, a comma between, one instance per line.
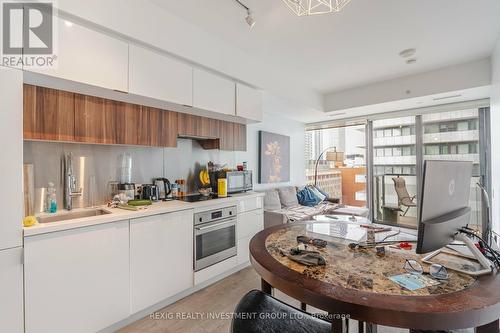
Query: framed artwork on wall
x=274, y=158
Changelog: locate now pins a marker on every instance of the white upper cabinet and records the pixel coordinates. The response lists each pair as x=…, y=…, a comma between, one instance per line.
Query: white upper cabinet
x=154, y=75
x=248, y=102
x=89, y=57
x=213, y=93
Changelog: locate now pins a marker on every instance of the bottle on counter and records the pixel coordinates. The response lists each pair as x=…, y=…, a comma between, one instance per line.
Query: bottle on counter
x=174, y=190
x=222, y=187
x=50, y=199
x=182, y=187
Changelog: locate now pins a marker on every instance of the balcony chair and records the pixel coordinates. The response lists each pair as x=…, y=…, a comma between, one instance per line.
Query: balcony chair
x=404, y=198
x=258, y=312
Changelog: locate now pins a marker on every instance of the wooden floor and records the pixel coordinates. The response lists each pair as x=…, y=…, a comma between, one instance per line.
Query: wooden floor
x=218, y=298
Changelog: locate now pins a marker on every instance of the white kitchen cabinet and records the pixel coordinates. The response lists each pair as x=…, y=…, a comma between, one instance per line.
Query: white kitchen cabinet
x=248, y=102
x=11, y=291
x=11, y=170
x=88, y=56
x=252, y=203
x=213, y=93
x=249, y=223
x=161, y=257
x=154, y=75
x=77, y=280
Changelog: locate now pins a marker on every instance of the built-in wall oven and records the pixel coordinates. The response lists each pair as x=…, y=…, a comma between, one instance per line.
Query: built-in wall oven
x=214, y=236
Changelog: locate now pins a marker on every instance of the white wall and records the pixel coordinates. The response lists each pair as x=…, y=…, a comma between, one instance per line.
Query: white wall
x=495, y=136
x=277, y=124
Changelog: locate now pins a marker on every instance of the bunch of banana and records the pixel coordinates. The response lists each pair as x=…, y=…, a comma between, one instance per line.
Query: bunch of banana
x=204, y=177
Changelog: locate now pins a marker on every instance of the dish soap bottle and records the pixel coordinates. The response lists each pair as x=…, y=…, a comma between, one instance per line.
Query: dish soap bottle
x=51, y=201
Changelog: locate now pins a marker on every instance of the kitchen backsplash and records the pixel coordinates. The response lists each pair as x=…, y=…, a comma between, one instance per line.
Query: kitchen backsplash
x=102, y=161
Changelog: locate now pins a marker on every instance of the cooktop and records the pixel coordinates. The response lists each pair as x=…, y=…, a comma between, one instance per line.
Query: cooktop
x=198, y=197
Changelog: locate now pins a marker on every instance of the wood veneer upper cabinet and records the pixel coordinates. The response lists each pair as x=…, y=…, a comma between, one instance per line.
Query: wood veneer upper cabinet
x=95, y=119
x=240, y=137
x=226, y=136
x=48, y=114
x=196, y=126
x=132, y=125
x=163, y=127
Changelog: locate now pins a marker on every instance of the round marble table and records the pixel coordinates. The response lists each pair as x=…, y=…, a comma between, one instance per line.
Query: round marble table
x=356, y=284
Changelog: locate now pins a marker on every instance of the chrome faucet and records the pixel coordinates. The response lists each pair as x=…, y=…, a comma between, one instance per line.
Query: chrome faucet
x=70, y=183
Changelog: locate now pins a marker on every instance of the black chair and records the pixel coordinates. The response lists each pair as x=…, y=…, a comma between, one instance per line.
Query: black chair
x=258, y=312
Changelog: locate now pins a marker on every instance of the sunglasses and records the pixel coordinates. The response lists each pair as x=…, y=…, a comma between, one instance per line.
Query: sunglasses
x=437, y=271
x=314, y=241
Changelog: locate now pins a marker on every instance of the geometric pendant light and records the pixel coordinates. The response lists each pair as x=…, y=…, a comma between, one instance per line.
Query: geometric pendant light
x=314, y=7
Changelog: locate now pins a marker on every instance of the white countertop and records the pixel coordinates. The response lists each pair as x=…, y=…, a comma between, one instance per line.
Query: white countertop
x=121, y=214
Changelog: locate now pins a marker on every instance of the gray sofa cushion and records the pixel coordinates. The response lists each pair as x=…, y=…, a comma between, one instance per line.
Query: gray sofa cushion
x=288, y=196
x=272, y=200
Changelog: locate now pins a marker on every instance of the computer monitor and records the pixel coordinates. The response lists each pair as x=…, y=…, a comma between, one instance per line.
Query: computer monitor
x=443, y=204
x=444, y=210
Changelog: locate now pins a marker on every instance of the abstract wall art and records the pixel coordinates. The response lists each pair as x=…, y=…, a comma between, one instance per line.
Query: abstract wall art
x=274, y=158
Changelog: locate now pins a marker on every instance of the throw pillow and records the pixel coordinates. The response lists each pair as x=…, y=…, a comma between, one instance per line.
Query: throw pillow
x=288, y=196
x=317, y=193
x=322, y=192
x=272, y=200
x=307, y=198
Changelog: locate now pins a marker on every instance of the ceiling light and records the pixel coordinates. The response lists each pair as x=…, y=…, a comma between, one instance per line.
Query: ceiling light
x=314, y=7
x=411, y=61
x=250, y=20
x=407, y=53
x=68, y=23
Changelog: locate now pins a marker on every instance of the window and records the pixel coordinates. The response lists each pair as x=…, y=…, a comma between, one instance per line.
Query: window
x=455, y=147
x=432, y=128
x=442, y=135
x=344, y=180
x=431, y=150
x=463, y=126
x=398, y=161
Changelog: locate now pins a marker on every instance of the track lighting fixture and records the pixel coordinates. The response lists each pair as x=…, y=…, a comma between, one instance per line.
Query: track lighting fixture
x=249, y=18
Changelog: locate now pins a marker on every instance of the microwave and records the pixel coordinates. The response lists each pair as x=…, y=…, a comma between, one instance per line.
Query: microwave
x=239, y=181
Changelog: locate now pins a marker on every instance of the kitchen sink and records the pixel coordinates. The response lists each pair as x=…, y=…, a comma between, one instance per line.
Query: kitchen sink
x=73, y=215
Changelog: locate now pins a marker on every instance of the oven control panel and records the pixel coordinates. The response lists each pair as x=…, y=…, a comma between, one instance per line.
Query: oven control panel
x=215, y=215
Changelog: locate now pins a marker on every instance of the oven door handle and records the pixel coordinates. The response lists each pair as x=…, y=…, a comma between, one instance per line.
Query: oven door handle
x=232, y=221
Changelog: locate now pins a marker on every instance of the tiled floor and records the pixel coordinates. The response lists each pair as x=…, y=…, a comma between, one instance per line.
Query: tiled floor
x=215, y=300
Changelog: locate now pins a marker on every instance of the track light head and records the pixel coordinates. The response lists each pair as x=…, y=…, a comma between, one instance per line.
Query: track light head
x=249, y=19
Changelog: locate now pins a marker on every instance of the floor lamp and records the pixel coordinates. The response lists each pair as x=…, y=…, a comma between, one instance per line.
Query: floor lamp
x=331, y=156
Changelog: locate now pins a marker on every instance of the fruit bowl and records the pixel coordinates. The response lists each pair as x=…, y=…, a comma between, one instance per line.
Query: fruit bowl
x=205, y=191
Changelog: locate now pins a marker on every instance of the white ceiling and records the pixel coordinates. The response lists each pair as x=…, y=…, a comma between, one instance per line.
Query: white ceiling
x=357, y=46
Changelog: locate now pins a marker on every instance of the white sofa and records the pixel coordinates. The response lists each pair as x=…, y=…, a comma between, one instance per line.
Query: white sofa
x=281, y=206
